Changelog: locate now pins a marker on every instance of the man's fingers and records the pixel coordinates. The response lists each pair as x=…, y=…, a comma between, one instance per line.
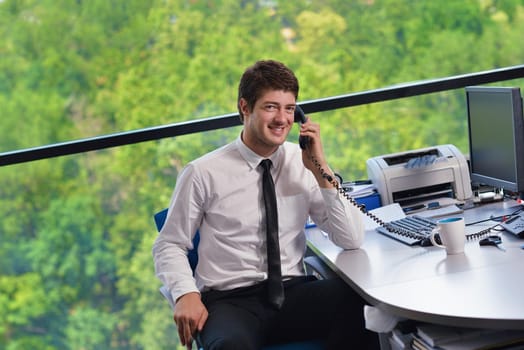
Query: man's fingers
x=185, y=331
x=201, y=320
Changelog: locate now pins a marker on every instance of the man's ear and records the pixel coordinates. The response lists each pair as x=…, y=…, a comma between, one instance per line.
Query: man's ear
x=243, y=107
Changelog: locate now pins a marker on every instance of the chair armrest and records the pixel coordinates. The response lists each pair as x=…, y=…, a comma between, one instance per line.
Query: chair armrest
x=316, y=267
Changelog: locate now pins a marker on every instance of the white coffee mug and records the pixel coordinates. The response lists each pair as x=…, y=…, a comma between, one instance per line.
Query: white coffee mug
x=452, y=232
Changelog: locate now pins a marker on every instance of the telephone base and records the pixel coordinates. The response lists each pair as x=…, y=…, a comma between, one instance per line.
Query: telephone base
x=515, y=226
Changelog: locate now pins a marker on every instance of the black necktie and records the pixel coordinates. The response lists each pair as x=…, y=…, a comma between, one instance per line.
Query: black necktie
x=274, y=278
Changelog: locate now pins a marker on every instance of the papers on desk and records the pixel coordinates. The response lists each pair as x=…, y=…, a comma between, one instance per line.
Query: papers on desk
x=437, y=335
x=357, y=191
x=508, y=340
x=427, y=336
x=386, y=213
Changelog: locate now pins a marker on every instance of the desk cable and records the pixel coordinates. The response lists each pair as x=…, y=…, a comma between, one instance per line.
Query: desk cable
x=486, y=231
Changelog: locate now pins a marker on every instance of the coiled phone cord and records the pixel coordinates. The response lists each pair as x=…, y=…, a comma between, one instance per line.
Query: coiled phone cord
x=376, y=219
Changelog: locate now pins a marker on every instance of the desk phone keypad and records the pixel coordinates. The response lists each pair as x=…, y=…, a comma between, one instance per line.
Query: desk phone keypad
x=515, y=225
x=410, y=230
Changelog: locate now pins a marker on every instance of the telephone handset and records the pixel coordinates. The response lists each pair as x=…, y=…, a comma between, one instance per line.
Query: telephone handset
x=300, y=117
x=303, y=141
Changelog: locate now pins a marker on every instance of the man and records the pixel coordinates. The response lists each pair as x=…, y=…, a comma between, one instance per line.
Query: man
x=229, y=302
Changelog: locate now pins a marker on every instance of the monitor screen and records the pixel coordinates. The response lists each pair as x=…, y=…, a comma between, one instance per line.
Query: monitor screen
x=496, y=137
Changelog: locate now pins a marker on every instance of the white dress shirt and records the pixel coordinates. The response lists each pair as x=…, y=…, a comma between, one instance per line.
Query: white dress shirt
x=220, y=194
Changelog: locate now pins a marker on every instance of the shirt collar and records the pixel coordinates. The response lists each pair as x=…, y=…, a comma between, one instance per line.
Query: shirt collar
x=254, y=159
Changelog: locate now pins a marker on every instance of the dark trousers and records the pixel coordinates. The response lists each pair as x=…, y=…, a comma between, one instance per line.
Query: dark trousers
x=327, y=309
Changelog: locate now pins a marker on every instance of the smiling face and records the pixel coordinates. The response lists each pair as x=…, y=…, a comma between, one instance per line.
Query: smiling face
x=267, y=125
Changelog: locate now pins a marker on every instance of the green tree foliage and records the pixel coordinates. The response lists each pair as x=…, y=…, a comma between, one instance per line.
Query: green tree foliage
x=75, y=260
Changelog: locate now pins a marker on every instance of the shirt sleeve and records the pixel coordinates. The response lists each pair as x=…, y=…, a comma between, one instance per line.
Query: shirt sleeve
x=340, y=219
x=176, y=237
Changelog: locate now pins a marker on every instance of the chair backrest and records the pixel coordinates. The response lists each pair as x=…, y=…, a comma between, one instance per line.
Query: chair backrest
x=192, y=255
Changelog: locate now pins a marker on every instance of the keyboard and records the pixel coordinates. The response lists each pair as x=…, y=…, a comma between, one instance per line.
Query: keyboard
x=410, y=230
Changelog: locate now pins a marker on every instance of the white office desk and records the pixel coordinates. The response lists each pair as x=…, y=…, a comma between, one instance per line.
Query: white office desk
x=484, y=287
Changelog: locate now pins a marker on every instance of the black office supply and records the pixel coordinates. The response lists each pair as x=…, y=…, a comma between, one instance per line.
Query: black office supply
x=495, y=241
x=413, y=208
x=491, y=240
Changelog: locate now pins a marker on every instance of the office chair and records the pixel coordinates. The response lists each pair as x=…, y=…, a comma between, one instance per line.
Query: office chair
x=313, y=266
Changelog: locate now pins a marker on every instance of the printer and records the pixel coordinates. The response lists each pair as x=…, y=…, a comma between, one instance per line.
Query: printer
x=399, y=179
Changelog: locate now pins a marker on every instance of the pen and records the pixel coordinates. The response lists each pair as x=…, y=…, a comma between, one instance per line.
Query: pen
x=358, y=182
x=413, y=208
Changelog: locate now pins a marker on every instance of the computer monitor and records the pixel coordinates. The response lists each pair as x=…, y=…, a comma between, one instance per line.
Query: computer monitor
x=496, y=137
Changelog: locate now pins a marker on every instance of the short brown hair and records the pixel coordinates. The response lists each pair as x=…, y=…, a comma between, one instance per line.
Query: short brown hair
x=262, y=76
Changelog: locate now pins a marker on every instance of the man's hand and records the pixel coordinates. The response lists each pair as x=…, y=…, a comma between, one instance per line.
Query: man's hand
x=313, y=156
x=190, y=315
